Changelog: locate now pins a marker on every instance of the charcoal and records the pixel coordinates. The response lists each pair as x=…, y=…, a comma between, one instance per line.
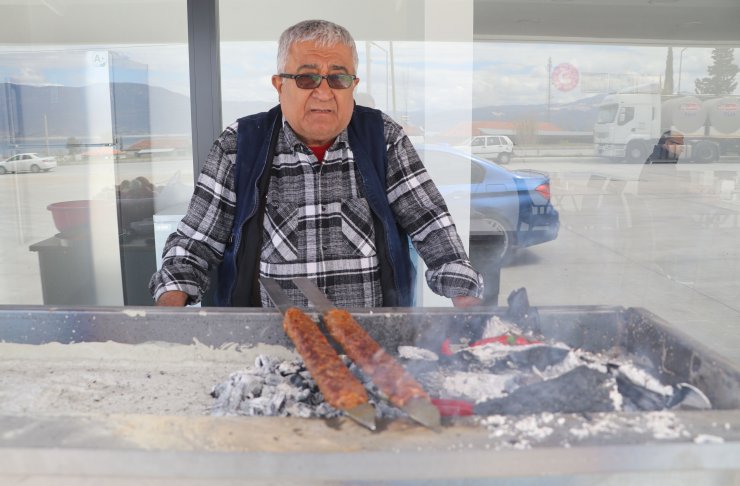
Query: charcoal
x=229, y=395
x=288, y=368
x=540, y=357
x=464, y=360
x=265, y=363
x=252, y=386
x=639, y=398
x=503, y=379
x=577, y=391
x=311, y=384
x=260, y=406
x=520, y=311
x=316, y=399
x=299, y=409
x=298, y=381
x=324, y=410
x=219, y=389
x=277, y=402
x=273, y=379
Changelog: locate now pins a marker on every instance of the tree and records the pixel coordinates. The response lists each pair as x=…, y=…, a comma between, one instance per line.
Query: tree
x=668, y=80
x=721, y=79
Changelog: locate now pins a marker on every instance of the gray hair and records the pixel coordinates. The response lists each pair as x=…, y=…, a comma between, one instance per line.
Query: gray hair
x=322, y=32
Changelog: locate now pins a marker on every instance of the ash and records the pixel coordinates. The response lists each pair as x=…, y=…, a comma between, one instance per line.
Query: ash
x=284, y=388
x=498, y=378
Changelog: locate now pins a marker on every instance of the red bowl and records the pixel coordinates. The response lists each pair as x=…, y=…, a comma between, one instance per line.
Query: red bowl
x=70, y=215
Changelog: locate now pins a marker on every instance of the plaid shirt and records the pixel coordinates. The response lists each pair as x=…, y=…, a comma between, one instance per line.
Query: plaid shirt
x=317, y=223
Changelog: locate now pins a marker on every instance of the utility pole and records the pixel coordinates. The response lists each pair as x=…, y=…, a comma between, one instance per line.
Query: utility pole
x=680, y=68
x=549, y=84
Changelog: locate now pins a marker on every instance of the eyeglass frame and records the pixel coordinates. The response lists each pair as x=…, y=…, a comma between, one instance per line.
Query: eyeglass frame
x=321, y=77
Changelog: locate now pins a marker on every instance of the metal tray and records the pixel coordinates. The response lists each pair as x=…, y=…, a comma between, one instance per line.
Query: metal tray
x=228, y=448
x=616, y=331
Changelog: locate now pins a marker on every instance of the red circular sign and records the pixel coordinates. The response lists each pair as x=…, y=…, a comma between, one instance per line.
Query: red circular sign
x=565, y=76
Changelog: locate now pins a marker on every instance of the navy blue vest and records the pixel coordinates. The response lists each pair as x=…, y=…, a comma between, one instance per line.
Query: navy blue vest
x=253, y=160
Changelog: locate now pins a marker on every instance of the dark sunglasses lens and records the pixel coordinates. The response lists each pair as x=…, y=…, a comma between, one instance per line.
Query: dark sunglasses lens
x=307, y=81
x=339, y=81
x=312, y=81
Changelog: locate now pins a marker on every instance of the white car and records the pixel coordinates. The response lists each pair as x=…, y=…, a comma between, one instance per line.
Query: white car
x=27, y=163
x=494, y=147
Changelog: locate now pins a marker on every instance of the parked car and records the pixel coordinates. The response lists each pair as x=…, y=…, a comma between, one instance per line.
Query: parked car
x=509, y=209
x=498, y=147
x=28, y=162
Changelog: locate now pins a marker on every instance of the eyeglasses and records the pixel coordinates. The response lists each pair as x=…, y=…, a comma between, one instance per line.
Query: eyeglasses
x=312, y=81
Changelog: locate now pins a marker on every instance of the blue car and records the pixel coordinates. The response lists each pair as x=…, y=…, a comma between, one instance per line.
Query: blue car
x=509, y=209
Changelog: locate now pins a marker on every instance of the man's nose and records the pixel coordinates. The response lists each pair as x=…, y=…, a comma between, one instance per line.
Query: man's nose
x=323, y=90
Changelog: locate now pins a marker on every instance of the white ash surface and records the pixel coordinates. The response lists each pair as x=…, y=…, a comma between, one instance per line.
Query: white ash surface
x=524, y=432
x=113, y=378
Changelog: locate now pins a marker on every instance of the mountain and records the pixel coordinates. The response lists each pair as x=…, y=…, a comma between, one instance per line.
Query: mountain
x=60, y=112
x=579, y=115
x=34, y=114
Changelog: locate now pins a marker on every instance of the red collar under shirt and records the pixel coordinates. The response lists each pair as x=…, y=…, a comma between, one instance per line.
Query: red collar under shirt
x=320, y=150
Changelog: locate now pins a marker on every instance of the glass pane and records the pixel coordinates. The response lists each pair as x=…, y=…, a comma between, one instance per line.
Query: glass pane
x=104, y=106
x=638, y=227
x=415, y=64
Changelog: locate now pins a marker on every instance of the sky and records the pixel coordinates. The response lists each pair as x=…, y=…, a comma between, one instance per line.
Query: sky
x=425, y=74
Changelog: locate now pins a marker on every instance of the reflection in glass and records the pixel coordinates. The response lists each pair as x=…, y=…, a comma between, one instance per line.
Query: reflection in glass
x=116, y=121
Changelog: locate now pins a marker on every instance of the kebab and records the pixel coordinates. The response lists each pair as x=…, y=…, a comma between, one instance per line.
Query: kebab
x=389, y=376
x=341, y=389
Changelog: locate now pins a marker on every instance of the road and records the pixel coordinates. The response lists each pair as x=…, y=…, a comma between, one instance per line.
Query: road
x=665, y=239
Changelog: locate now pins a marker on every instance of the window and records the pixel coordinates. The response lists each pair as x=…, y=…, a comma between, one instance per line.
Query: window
x=94, y=86
x=607, y=113
x=408, y=53
x=111, y=106
x=627, y=115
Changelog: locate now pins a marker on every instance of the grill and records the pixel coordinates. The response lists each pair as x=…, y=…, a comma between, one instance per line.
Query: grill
x=129, y=444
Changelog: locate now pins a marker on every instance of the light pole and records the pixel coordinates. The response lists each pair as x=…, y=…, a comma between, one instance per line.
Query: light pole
x=549, y=84
x=680, y=66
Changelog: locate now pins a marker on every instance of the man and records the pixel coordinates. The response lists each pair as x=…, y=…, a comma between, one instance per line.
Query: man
x=660, y=174
x=316, y=187
x=669, y=148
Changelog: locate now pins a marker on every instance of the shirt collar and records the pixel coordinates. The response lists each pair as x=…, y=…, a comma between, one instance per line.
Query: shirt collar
x=293, y=141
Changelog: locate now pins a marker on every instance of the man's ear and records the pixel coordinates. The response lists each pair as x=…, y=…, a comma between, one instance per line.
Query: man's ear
x=277, y=82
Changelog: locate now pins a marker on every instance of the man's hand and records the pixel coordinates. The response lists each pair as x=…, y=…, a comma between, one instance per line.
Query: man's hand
x=173, y=298
x=466, y=301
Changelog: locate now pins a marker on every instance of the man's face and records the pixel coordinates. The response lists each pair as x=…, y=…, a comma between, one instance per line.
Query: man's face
x=317, y=115
x=675, y=146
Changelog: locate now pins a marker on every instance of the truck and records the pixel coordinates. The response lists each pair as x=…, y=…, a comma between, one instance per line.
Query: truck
x=630, y=122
